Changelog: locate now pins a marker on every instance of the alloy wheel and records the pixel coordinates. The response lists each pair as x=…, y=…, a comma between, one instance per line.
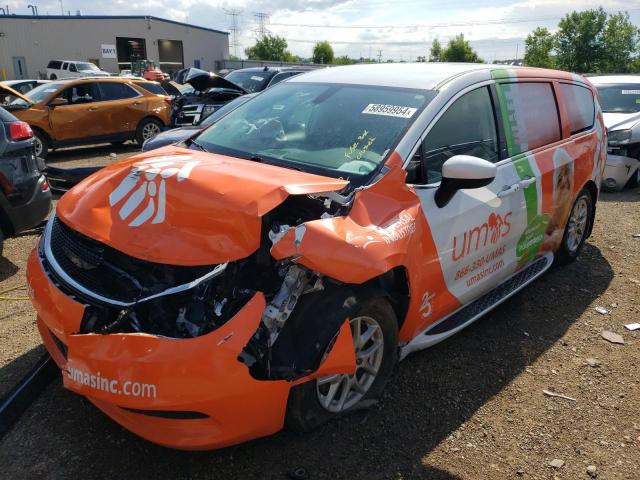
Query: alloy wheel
x=37, y=145
x=150, y=130
x=577, y=226
x=337, y=393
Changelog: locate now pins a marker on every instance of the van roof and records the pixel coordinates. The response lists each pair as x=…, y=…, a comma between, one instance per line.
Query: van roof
x=608, y=79
x=425, y=76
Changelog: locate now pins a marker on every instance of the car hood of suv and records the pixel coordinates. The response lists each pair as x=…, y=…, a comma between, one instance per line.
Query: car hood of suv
x=6, y=90
x=620, y=121
x=184, y=207
x=201, y=80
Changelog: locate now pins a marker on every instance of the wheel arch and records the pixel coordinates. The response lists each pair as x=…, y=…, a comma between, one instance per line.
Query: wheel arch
x=393, y=284
x=150, y=117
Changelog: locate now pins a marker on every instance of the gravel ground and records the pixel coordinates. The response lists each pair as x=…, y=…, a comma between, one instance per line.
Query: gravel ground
x=472, y=407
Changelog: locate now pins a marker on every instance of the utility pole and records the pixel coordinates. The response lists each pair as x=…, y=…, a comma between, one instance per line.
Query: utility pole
x=233, y=15
x=262, y=19
x=61, y=8
x=379, y=56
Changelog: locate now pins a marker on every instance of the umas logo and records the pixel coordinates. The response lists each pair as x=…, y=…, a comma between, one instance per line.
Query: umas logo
x=490, y=232
x=147, y=182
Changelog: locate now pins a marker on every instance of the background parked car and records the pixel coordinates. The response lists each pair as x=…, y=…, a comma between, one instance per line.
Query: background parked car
x=212, y=91
x=59, y=69
x=24, y=86
x=180, y=134
x=620, y=101
x=84, y=111
x=25, y=197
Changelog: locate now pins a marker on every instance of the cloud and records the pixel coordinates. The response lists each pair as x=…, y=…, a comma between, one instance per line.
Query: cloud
x=401, y=29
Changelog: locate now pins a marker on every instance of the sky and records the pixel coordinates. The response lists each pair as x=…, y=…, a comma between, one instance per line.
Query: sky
x=398, y=30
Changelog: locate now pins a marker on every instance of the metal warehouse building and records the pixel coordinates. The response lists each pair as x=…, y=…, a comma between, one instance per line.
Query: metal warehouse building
x=28, y=43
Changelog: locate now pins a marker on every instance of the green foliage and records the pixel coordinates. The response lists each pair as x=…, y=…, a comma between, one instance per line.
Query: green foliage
x=621, y=44
x=539, y=45
x=343, y=60
x=435, y=55
x=270, y=47
x=580, y=41
x=459, y=50
x=322, y=52
x=590, y=41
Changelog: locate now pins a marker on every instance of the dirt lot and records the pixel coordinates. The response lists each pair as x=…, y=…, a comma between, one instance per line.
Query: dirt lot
x=470, y=408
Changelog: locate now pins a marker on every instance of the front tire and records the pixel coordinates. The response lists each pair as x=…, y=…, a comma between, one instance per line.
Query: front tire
x=375, y=335
x=577, y=228
x=148, y=128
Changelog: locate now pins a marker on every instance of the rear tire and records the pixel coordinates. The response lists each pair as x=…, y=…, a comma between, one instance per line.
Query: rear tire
x=577, y=228
x=53, y=77
x=147, y=128
x=316, y=402
x=41, y=144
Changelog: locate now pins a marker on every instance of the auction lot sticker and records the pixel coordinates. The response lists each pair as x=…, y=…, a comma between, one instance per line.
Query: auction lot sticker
x=389, y=110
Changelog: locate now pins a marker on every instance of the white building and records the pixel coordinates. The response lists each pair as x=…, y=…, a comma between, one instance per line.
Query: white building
x=28, y=43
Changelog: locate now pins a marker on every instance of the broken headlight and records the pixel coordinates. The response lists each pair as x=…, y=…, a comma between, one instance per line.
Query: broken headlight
x=619, y=137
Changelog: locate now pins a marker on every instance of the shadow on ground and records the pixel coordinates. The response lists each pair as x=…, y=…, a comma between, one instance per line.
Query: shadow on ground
x=627, y=195
x=7, y=269
x=431, y=395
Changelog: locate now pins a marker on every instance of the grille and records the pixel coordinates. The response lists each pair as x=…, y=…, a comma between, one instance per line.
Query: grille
x=110, y=273
x=189, y=115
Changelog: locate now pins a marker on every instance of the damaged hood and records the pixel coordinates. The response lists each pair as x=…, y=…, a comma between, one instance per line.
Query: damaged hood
x=201, y=80
x=620, y=121
x=183, y=207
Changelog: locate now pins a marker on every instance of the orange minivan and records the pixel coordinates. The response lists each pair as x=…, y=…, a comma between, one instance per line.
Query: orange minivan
x=90, y=110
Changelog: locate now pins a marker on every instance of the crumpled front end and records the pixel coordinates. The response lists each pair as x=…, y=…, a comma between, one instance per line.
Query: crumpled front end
x=195, y=355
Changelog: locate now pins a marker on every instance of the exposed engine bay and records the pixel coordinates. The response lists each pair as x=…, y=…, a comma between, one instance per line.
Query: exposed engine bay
x=128, y=295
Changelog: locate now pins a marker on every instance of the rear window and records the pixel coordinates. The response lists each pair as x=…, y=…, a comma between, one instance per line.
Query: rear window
x=151, y=87
x=580, y=107
x=55, y=64
x=530, y=115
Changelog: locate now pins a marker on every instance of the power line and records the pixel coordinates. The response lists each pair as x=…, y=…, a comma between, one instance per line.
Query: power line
x=234, y=14
x=262, y=19
x=433, y=25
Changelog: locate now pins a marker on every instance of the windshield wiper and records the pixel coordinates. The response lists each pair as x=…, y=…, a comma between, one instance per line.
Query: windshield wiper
x=192, y=143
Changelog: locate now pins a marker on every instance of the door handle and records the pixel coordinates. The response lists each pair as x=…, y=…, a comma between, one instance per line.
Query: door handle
x=137, y=103
x=527, y=182
x=91, y=109
x=511, y=189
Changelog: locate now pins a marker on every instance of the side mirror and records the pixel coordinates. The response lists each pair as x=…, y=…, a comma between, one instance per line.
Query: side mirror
x=58, y=101
x=463, y=172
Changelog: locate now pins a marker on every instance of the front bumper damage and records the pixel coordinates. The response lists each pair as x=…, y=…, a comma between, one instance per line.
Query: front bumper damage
x=185, y=393
x=618, y=170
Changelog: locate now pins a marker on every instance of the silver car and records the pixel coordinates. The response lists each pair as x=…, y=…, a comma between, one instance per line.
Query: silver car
x=620, y=101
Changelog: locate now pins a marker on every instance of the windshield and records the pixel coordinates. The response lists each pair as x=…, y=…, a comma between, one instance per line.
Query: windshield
x=41, y=92
x=226, y=108
x=619, y=98
x=251, y=81
x=86, y=66
x=343, y=131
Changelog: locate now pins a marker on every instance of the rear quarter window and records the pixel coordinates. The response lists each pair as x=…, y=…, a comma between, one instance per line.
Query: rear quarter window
x=55, y=64
x=530, y=115
x=151, y=87
x=580, y=106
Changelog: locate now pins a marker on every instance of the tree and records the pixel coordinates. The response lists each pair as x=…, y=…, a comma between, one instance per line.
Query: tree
x=621, y=41
x=322, y=52
x=580, y=41
x=343, y=60
x=459, y=50
x=435, y=55
x=538, y=46
x=269, y=47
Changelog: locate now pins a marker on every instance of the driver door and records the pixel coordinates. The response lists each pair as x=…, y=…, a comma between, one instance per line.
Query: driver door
x=477, y=232
x=80, y=116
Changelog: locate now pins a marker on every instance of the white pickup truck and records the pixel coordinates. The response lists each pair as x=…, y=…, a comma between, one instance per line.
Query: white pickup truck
x=58, y=69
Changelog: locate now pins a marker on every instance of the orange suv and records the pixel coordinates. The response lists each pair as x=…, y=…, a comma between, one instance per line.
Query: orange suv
x=90, y=110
